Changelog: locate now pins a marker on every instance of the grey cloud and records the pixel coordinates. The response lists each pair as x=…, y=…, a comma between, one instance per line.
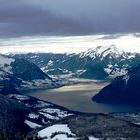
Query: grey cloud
x=21, y=19
x=44, y=17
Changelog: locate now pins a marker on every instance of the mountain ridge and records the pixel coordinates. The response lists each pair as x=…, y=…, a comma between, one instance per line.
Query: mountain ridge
x=112, y=61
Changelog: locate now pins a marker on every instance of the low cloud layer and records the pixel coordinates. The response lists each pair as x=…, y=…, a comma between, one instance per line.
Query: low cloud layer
x=73, y=17
x=72, y=44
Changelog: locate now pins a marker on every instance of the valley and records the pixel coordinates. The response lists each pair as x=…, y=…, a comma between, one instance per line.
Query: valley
x=55, y=90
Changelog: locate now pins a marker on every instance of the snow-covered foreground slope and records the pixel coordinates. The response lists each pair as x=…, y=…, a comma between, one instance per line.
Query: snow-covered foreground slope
x=59, y=132
x=24, y=113
x=89, y=127
x=41, y=112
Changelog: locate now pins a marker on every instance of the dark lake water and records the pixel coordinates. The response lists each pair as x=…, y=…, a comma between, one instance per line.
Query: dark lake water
x=78, y=98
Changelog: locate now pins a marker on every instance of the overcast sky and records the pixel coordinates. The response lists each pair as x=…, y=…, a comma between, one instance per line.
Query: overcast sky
x=28, y=25
x=68, y=17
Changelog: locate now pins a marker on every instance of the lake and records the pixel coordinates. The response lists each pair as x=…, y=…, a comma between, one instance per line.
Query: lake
x=78, y=98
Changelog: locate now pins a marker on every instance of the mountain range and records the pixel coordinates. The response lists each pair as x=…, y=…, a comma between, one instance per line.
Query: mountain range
x=97, y=63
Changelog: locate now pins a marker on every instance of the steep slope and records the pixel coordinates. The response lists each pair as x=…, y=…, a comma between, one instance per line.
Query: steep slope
x=12, y=116
x=20, y=68
x=123, y=90
x=108, y=62
x=27, y=71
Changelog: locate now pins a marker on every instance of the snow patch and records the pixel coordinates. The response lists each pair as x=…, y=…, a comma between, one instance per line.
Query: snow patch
x=5, y=60
x=5, y=64
x=33, y=116
x=41, y=104
x=32, y=124
x=93, y=138
x=126, y=78
x=19, y=97
x=61, y=131
x=50, y=63
x=48, y=116
x=57, y=112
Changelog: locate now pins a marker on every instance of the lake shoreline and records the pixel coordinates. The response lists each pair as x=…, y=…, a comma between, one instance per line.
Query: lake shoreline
x=72, y=82
x=78, y=98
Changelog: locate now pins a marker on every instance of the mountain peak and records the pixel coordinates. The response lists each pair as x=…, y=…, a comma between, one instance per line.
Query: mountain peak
x=103, y=51
x=109, y=49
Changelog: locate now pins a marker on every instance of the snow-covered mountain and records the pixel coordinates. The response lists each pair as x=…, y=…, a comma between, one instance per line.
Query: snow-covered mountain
x=96, y=63
x=102, y=52
x=114, y=61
